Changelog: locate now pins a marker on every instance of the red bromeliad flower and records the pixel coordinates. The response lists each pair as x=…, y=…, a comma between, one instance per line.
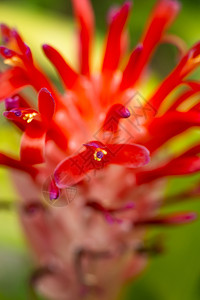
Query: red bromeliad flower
x=94, y=143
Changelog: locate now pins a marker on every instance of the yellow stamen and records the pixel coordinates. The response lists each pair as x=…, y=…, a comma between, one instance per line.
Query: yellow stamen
x=14, y=61
x=104, y=152
x=29, y=117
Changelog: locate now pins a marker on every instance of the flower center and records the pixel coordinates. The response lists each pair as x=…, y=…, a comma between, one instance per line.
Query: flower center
x=29, y=117
x=99, y=154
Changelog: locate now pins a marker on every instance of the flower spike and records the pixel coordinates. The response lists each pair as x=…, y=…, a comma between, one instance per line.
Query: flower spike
x=113, y=166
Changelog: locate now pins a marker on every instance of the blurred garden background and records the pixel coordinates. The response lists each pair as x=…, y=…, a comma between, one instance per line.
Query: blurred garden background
x=173, y=275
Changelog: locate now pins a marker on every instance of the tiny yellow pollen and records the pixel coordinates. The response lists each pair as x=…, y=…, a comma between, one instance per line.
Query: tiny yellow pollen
x=196, y=60
x=29, y=117
x=99, y=154
x=14, y=61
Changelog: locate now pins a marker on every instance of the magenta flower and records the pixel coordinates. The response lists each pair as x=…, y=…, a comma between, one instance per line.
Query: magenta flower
x=100, y=144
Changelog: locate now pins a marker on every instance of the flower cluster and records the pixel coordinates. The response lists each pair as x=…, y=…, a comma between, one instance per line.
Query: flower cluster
x=101, y=145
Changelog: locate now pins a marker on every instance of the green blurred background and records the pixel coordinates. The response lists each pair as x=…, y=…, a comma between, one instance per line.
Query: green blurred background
x=174, y=275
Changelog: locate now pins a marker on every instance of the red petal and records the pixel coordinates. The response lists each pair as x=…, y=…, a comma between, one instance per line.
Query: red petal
x=192, y=60
x=176, y=167
x=7, y=53
x=20, y=43
x=194, y=85
x=172, y=219
x=115, y=113
x=13, y=39
x=181, y=98
x=11, y=81
x=73, y=169
x=54, y=191
x=67, y=74
x=31, y=74
x=85, y=18
x=195, y=150
x=33, y=143
x=5, y=32
x=54, y=133
x=173, y=123
x=46, y=104
x=16, y=164
x=162, y=16
x=128, y=155
x=188, y=63
x=128, y=77
x=113, y=46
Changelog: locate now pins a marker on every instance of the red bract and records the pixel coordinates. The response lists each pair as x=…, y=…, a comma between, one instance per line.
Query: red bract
x=100, y=144
x=98, y=156
x=112, y=58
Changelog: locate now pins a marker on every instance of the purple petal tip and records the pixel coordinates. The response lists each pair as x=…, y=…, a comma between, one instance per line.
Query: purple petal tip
x=124, y=112
x=45, y=46
x=128, y=5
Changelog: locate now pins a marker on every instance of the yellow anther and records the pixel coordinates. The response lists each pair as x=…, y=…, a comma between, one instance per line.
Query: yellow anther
x=14, y=61
x=196, y=60
x=29, y=117
x=99, y=154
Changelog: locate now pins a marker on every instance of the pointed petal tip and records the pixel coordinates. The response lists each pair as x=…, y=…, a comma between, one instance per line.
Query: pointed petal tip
x=4, y=27
x=94, y=144
x=128, y=4
x=44, y=90
x=124, y=112
x=175, y=5
x=183, y=218
x=46, y=47
x=139, y=47
x=54, y=191
x=46, y=104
